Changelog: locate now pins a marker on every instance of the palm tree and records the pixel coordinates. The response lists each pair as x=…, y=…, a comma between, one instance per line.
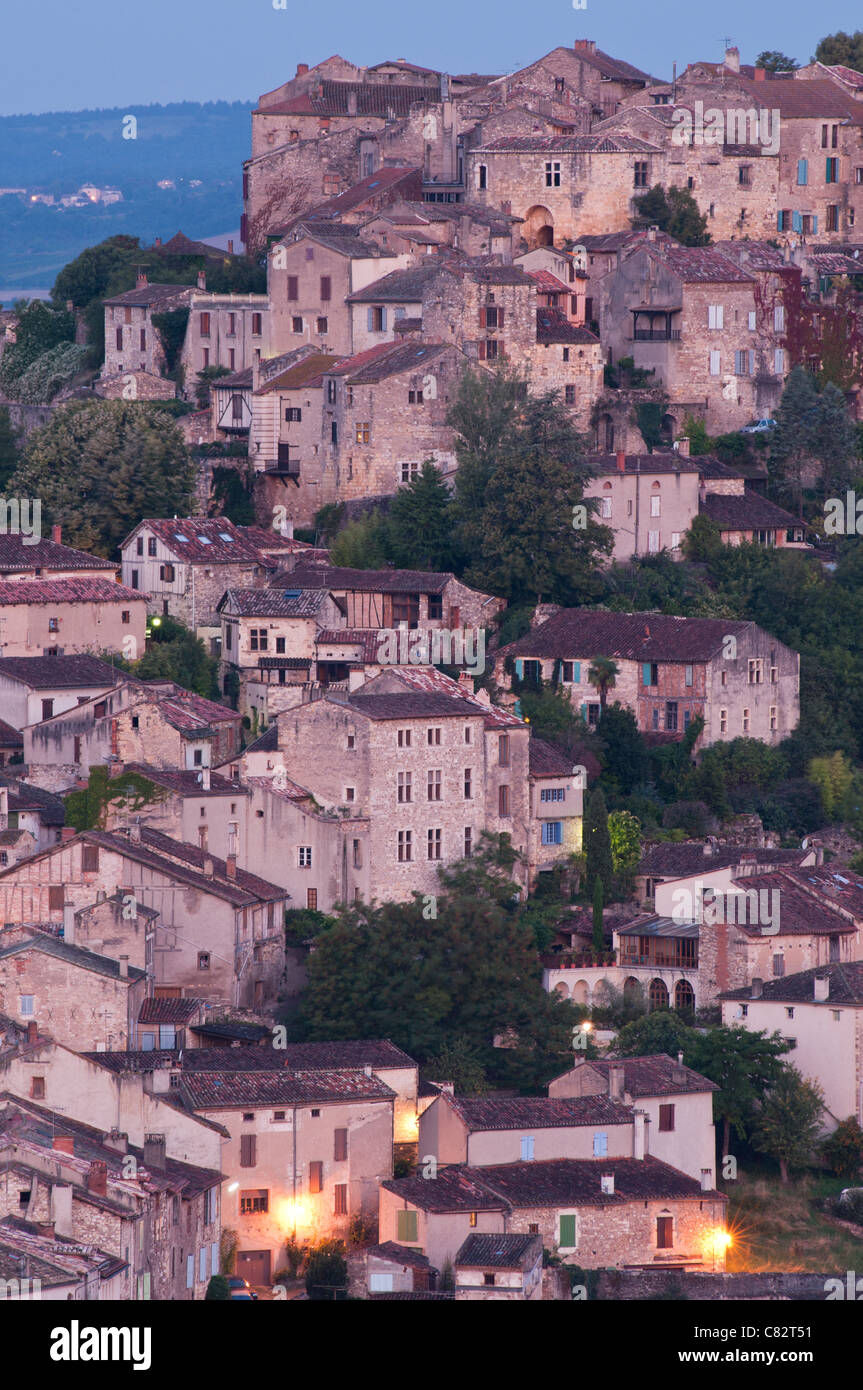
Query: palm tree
x=603, y=674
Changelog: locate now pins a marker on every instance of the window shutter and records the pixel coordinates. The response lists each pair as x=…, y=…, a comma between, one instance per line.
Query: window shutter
x=780, y=227
x=406, y=1225
x=500, y=318
x=501, y=347
x=383, y=320
x=567, y=1232
x=482, y=352
x=802, y=171
x=715, y=363
x=576, y=672
x=584, y=713
x=711, y=316
x=190, y=1271
x=815, y=226
x=751, y=362
x=316, y=1177
x=645, y=673
x=202, y=1264
x=778, y=361
x=482, y=318
x=340, y=1146
x=519, y=668
x=370, y=320
x=796, y=222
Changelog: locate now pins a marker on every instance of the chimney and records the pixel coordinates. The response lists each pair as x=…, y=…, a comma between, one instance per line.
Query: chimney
x=651, y=233
x=356, y=678
x=68, y=833
x=606, y=1184
x=208, y=868
x=352, y=103
x=757, y=988
x=367, y=1069
x=585, y=45
x=116, y=1140
x=760, y=74
x=202, y=279
x=639, y=1135
x=621, y=461
x=732, y=59
x=61, y=1208
x=57, y=534
x=69, y=923
x=141, y=280
x=63, y=1144
x=615, y=1081
x=135, y=831
x=154, y=1151
x=302, y=69
x=45, y=1229
x=158, y=241
x=320, y=91
x=231, y=866
x=97, y=1177
x=680, y=1059
x=683, y=447
x=205, y=778
x=706, y=1179
x=32, y=1032
x=124, y=967
x=821, y=984
x=230, y=246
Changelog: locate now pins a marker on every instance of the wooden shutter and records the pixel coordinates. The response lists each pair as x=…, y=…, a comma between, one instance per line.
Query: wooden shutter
x=340, y=1145
x=666, y=1118
x=567, y=1232
x=482, y=318
x=370, y=320
x=316, y=1177
x=248, y=1154
x=406, y=1226
x=500, y=318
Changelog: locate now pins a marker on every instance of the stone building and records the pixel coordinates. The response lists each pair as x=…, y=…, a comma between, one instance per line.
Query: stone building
x=483, y=1130
x=132, y=343
x=286, y=446
x=742, y=681
x=501, y=1268
x=65, y=617
x=268, y=638
x=225, y=330
x=24, y=556
x=649, y=501
x=33, y=688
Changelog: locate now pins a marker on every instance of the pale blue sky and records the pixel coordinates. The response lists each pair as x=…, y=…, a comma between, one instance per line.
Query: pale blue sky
x=59, y=55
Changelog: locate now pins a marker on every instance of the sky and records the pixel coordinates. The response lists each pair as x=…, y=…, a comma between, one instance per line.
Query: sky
x=62, y=56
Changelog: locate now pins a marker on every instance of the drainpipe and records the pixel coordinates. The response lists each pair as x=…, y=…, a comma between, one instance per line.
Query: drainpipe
x=294, y=1177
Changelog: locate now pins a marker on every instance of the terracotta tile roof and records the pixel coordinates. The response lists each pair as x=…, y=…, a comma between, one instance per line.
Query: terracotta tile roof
x=578, y=1182
x=24, y=797
x=213, y=1090
x=749, y=512
x=428, y=680
x=585, y=633
x=59, y=672
x=71, y=955
x=614, y=68
x=181, y=245
x=818, y=99
x=498, y=1252
x=398, y=287
x=548, y=283
x=17, y=554
x=482, y=1113
x=399, y=357
x=411, y=706
x=187, y=782
x=29, y=591
x=294, y=602
x=800, y=912
x=605, y=464
x=399, y=1254
x=456, y=1188
x=344, y=240
x=547, y=761
x=697, y=264
x=185, y=709
x=237, y=381
x=656, y=1075
x=846, y=987
x=552, y=326
x=373, y=99
x=367, y=190
x=9, y=737
x=214, y=541
x=367, y=640
x=152, y=295
x=268, y=742
x=308, y=373
x=168, y=1010
x=388, y=581
x=568, y=144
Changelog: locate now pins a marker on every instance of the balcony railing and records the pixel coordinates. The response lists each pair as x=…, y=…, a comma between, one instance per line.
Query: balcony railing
x=655, y=335
x=672, y=961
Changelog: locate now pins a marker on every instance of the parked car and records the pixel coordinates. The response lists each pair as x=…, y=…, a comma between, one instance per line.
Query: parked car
x=239, y=1296
x=240, y=1288
x=759, y=426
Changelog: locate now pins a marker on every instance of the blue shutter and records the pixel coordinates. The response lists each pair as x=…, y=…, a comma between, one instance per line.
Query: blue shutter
x=645, y=673
x=370, y=320
x=779, y=226
x=815, y=226
x=796, y=222
x=519, y=667
x=383, y=319
x=802, y=171
x=584, y=713
x=517, y=709
x=751, y=362
x=576, y=672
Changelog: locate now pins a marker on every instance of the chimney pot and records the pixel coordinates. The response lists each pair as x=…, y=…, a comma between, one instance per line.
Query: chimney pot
x=202, y=279
x=606, y=1184
x=706, y=1179
x=231, y=866
x=209, y=867
x=97, y=1177
x=68, y=833
x=63, y=1144
x=683, y=447
x=760, y=74
x=621, y=461
x=141, y=280
x=32, y=1032
x=302, y=69
x=158, y=241
x=124, y=967
x=56, y=534
x=821, y=988
x=230, y=246
x=615, y=1081
x=205, y=778
x=154, y=1150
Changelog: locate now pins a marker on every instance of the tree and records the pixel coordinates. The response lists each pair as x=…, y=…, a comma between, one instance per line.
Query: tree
x=843, y=1149
x=789, y=1120
x=771, y=60
x=744, y=1065
x=421, y=530
x=218, y=1289
x=674, y=211
x=649, y=416
x=176, y=654
x=597, y=843
x=40, y=328
x=129, y=461
x=598, y=934
x=362, y=544
x=129, y=793
x=49, y=373
x=812, y=430
x=602, y=675
x=834, y=779
x=841, y=49
x=521, y=476
x=625, y=761
x=327, y=1270
x=659, y=1031
x=9, y=455
x=624, y=833
x=457, y=1061
x=703, y=540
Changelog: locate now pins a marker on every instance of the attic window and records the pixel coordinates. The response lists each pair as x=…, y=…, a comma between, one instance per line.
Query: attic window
x=178, y=537
x=205, y=540
x=223, y=535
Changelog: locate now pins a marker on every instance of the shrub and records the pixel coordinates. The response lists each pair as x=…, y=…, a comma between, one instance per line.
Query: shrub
x=218, y=1289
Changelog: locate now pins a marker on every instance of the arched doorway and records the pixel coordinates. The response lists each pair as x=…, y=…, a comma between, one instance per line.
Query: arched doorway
x=580, y=992
x=538, y=229
x=668, y=428
x=657, y=996
x=684, y=997
x=632, y=991
x=561, y=990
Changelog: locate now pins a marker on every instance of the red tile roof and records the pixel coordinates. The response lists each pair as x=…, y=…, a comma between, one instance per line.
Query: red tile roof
x=579, y=632
x=28, y=591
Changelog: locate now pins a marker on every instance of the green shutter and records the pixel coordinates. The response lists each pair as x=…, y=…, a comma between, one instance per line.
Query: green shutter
x=406, y=1226
x=519, y=667
x=576, y=672
x=567, y=1232
x=584, y=713
x=645, y=673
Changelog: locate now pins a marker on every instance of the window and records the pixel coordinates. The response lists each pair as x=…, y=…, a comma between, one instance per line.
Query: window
x=304, y=853
x=350, y=793
x=433, y=737
x=744, y=175
x=832, y=173
x=665, y=1232
x=56, y=897
x=376, y=319
x=119, y=339
x=203, y=960
x=363, y=432
x=293, y=291
x=405, y=846
x=773, y=723
x=257, y=320
x=666, y=1119
x=743, y=362
x=433, y=785
x=47, y=709
x=340, y=1145
x=467, y=733
x=404, y=786
x=650, y=673
x=37, y=1088
x=655, y=504
x=254, y=1202
x=434, y=844
x=322, y=325
x=641, y=173
x=435, y=603
x=833, y=217
x=552, y=794
x=248, y=1150
x=552, y=832
x=503, y=750
x=755, y=665
x=600, y=1144
x=53, y=624
x=468, y=784
x=26, y=1005
x=406, y=1226
x=789, y=1013
x=316, y=1176
x=527, y=1147
x=90, y=859
x=408, y=472
x=503, y=800
x=566, y=1234
x=778, y=967
x=552, y=174
x=569, y=395
x=340, y=1199
x=404, y=738
x=488, y=1280
x=715, y=315
x=482, y=176
x=605, y=507
x=468, y=842
x=715, y=363
x=143, y=340
x=205, y=326
x=166, y=572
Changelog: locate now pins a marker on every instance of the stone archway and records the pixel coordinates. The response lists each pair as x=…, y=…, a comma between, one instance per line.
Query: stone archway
x=657, y=995
x=580, y=992
x=561, y=990
x=538, y=228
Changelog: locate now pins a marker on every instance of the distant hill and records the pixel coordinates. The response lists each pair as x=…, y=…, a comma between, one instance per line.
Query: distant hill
x=197, y=147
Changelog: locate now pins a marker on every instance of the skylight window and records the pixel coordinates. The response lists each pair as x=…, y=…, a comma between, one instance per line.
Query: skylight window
x=225, y=537
x=205, y=540
x=178, y=537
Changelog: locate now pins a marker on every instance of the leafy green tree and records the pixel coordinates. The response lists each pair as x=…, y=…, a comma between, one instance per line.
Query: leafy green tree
x=421, y=524
x=703, y=540
x=9, y=455
x=675, y=211
x=171, y=327
x=834, y=778
x=522, y=471
x=659, y=1031
x=176, y=654
x=49, y=373
x=129, y=461
x=843, y=1149
x=789, y=1120
x=327, y=1270
x=362, y=544
x=649, y=416
x=598, y=934
x=218, y=1289
x=40, y=328
x=551, y=716
x=695, y=430
x=457, y=1061
x=602, y=674
x=129, y=793
x=204, y=381
x=625, y=761
x=811, y=429
x=625, y=836
x=744, y=1065
x=597, y=843
x=771, y=60
x=841, y=49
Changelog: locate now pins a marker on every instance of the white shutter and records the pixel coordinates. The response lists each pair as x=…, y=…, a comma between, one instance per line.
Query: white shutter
x=714, y=363
x=779, y=318
x=190, y=1271
x=214, y=1255
x=653, y=542
x=715, y=315
x=380, y=1283
x=779, y=361
x=752, y=320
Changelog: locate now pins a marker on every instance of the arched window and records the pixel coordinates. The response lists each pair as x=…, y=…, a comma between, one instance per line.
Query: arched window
x=658, y=995
x=684, y=997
